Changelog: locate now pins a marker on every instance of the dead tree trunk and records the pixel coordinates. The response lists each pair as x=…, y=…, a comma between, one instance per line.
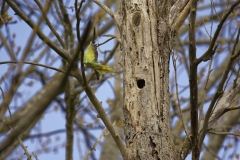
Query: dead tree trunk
x=147, y=40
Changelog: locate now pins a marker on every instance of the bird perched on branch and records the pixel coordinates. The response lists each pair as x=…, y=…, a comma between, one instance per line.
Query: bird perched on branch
x=90, y=60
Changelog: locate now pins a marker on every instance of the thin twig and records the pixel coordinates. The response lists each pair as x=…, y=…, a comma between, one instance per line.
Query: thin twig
x=228, y=79
x=205, y=91
x=231, y=19
x=217, y=32
x=33, y=63
x=44, y=10
x=19, y=139
x=219, y=91
x=215, y=10
x=176, y=83
x=212, y=152
x=35, y=156
x=105, y=41
x=104, y=133
x=24, y=148
x=206, y=29
x=232, y=108
x=29, y=157
x=63, y=53
x=113, y=36
x=221, y=112
x=211, y=18
x=224, y=133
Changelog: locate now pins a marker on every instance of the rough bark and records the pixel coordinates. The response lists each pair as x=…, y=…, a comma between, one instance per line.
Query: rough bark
x=147, y=43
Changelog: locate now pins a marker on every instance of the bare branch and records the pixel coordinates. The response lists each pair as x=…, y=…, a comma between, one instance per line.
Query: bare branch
x=29, y=157
x=104, y=7
x=25, y=149
x=63, y=53
x=113, y=36
x=220, y=25
x=44, y=14
x=182, y=17
x=105, y=41
x=211, y=152
x=193, y=81
x=33, y=63
x=219, y=91
x=224, y=104
x=224, y=133
x=104, y=133
x=201, y=118
x=35, y=156
x=176, y=83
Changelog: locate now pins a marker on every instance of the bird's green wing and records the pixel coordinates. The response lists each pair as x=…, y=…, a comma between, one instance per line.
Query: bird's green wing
x=89, y=56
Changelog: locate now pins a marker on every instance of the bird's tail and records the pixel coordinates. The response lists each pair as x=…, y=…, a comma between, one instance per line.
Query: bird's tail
x=103, y=69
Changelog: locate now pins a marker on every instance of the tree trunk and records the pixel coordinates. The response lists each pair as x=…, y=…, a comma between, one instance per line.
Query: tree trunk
x=147, y=43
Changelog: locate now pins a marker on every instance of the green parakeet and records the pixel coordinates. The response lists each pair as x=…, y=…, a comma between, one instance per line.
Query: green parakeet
x=90, y=60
